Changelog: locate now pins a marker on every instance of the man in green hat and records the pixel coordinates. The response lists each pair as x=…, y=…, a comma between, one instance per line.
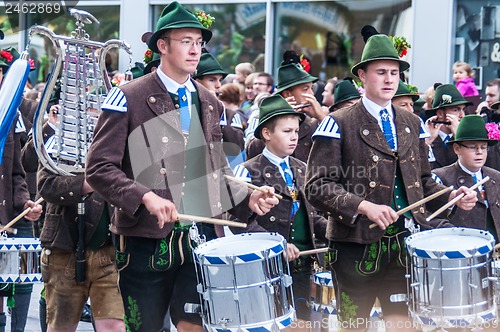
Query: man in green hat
x=295, y=85
x=294, y=217
x=367, y=162
x=448, y=108
x=404, y=98
x=156, y=153
x=210, y=74
x=471, y=144
x=345, y=95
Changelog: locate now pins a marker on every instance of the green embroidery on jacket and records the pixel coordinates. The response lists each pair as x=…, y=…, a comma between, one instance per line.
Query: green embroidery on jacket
x=383, y=246
x=163, y=246
x=391, y=230
x=161, y=262
x=135, y=315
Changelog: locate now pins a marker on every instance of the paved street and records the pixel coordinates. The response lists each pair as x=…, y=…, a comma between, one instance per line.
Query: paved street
x=33, y=324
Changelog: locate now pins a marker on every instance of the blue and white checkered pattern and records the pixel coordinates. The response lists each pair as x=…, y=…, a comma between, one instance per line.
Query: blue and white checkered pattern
x=277, y=247
x=484, y=243
x=279, y=323
x=467, y=321
x=323, y=278
x=20, y=244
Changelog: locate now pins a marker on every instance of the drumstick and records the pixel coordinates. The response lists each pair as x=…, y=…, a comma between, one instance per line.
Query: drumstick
x=16, y=219
x=456, y=199
x=212, y=221
x=252, y=186
x=418, y=203
x=313, y=251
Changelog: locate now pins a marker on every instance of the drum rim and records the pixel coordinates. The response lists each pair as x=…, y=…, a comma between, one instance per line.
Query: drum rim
x=450, y=254
x=240, y=258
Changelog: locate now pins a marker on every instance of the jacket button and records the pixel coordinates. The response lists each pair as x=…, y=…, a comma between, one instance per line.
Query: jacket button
x=412, y=159
x=407, y=130
x=61, y=198
x=152, y=99
x=272, y=219
x=176, y=105
x=71, y=193
x=461, y=181
x=375, y=158
x=299, y=170
x=267, y=175
x=211, y=146
x=47, y=252
x=215, y=176
x=366, y=132
x=422, y=209
x=341, y=218
x=210, y=108
x=163, y=171
x=372, y=184
x=417, y=184
x=164, y=139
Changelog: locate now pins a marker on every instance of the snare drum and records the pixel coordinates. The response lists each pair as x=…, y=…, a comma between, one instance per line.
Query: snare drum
x=244, y=284
x=450, y=277
x=20, y=260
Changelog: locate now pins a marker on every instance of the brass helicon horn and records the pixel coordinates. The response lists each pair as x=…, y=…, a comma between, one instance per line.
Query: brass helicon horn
x=80, y=67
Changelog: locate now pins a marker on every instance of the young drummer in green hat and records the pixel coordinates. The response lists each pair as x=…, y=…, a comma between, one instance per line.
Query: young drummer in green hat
x=368, y=161
x=471, y=144
x=448, y=108
x=293, y=217
x=156, y=152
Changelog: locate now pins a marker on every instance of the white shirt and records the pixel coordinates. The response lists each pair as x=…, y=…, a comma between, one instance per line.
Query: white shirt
x=172, y=86
x=374, y=110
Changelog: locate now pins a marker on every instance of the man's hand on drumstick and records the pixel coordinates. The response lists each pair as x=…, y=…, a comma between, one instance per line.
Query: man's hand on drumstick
x=35, y=212
x=292, y=252
x=164, y=210
x=382, y=215
x=468, y=201
x=261, y=202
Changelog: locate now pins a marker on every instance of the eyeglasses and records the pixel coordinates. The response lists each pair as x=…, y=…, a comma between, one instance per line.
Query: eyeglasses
x=475, y=148
x=187, y=43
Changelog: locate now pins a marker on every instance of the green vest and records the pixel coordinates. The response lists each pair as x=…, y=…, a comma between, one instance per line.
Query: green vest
x=101, y=233
x=399, y=201
x=301, y=236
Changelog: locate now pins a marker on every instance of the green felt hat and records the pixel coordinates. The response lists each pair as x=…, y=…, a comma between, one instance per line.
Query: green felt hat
x=271, y=107
x=344, y=91
x=175, y=16
x=444, y=96
x=379, y=47
x=404, y=91
x=209, y=66
x=472, y=128
x=292, y=74
x=137, y=70
x=155, y=62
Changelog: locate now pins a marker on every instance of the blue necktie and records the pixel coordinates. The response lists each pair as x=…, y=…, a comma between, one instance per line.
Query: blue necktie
x=446, y=139
x=474, y=177
x=184, y=109
x=291, y=187
x=386, y=127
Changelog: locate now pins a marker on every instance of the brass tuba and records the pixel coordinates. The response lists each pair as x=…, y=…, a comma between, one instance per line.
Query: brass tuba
x=81, y=70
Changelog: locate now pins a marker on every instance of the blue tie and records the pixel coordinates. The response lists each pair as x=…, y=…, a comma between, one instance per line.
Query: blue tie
x=386, y=127
x=184, y=109
x=291, y=187
x=446, y=139
x=474, y=177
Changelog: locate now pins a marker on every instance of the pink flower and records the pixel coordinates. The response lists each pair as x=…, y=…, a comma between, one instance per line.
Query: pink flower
x=493, y=131
x=32, y=63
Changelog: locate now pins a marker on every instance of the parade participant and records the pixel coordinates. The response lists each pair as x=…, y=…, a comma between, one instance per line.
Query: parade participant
x=345, y=94
x=404, y=98
x=15, y=198
x=293, y=218
x=295, y=85
x=368, y=161
x=442, y=121
x=156, y=152
x=471, y=144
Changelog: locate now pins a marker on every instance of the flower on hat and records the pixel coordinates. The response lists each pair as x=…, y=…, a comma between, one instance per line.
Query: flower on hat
x=6, y=55
x=401, y=45
x=446, y=99
x=148, y=56
x=205, y=19
x=32, y=64
x=305, y=63
x=493, y=131
x=412, y=88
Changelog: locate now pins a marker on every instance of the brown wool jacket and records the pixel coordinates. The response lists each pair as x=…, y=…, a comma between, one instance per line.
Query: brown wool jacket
x=475, y=218
x=361, y=166
x=265, y=173
x=156, y=150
